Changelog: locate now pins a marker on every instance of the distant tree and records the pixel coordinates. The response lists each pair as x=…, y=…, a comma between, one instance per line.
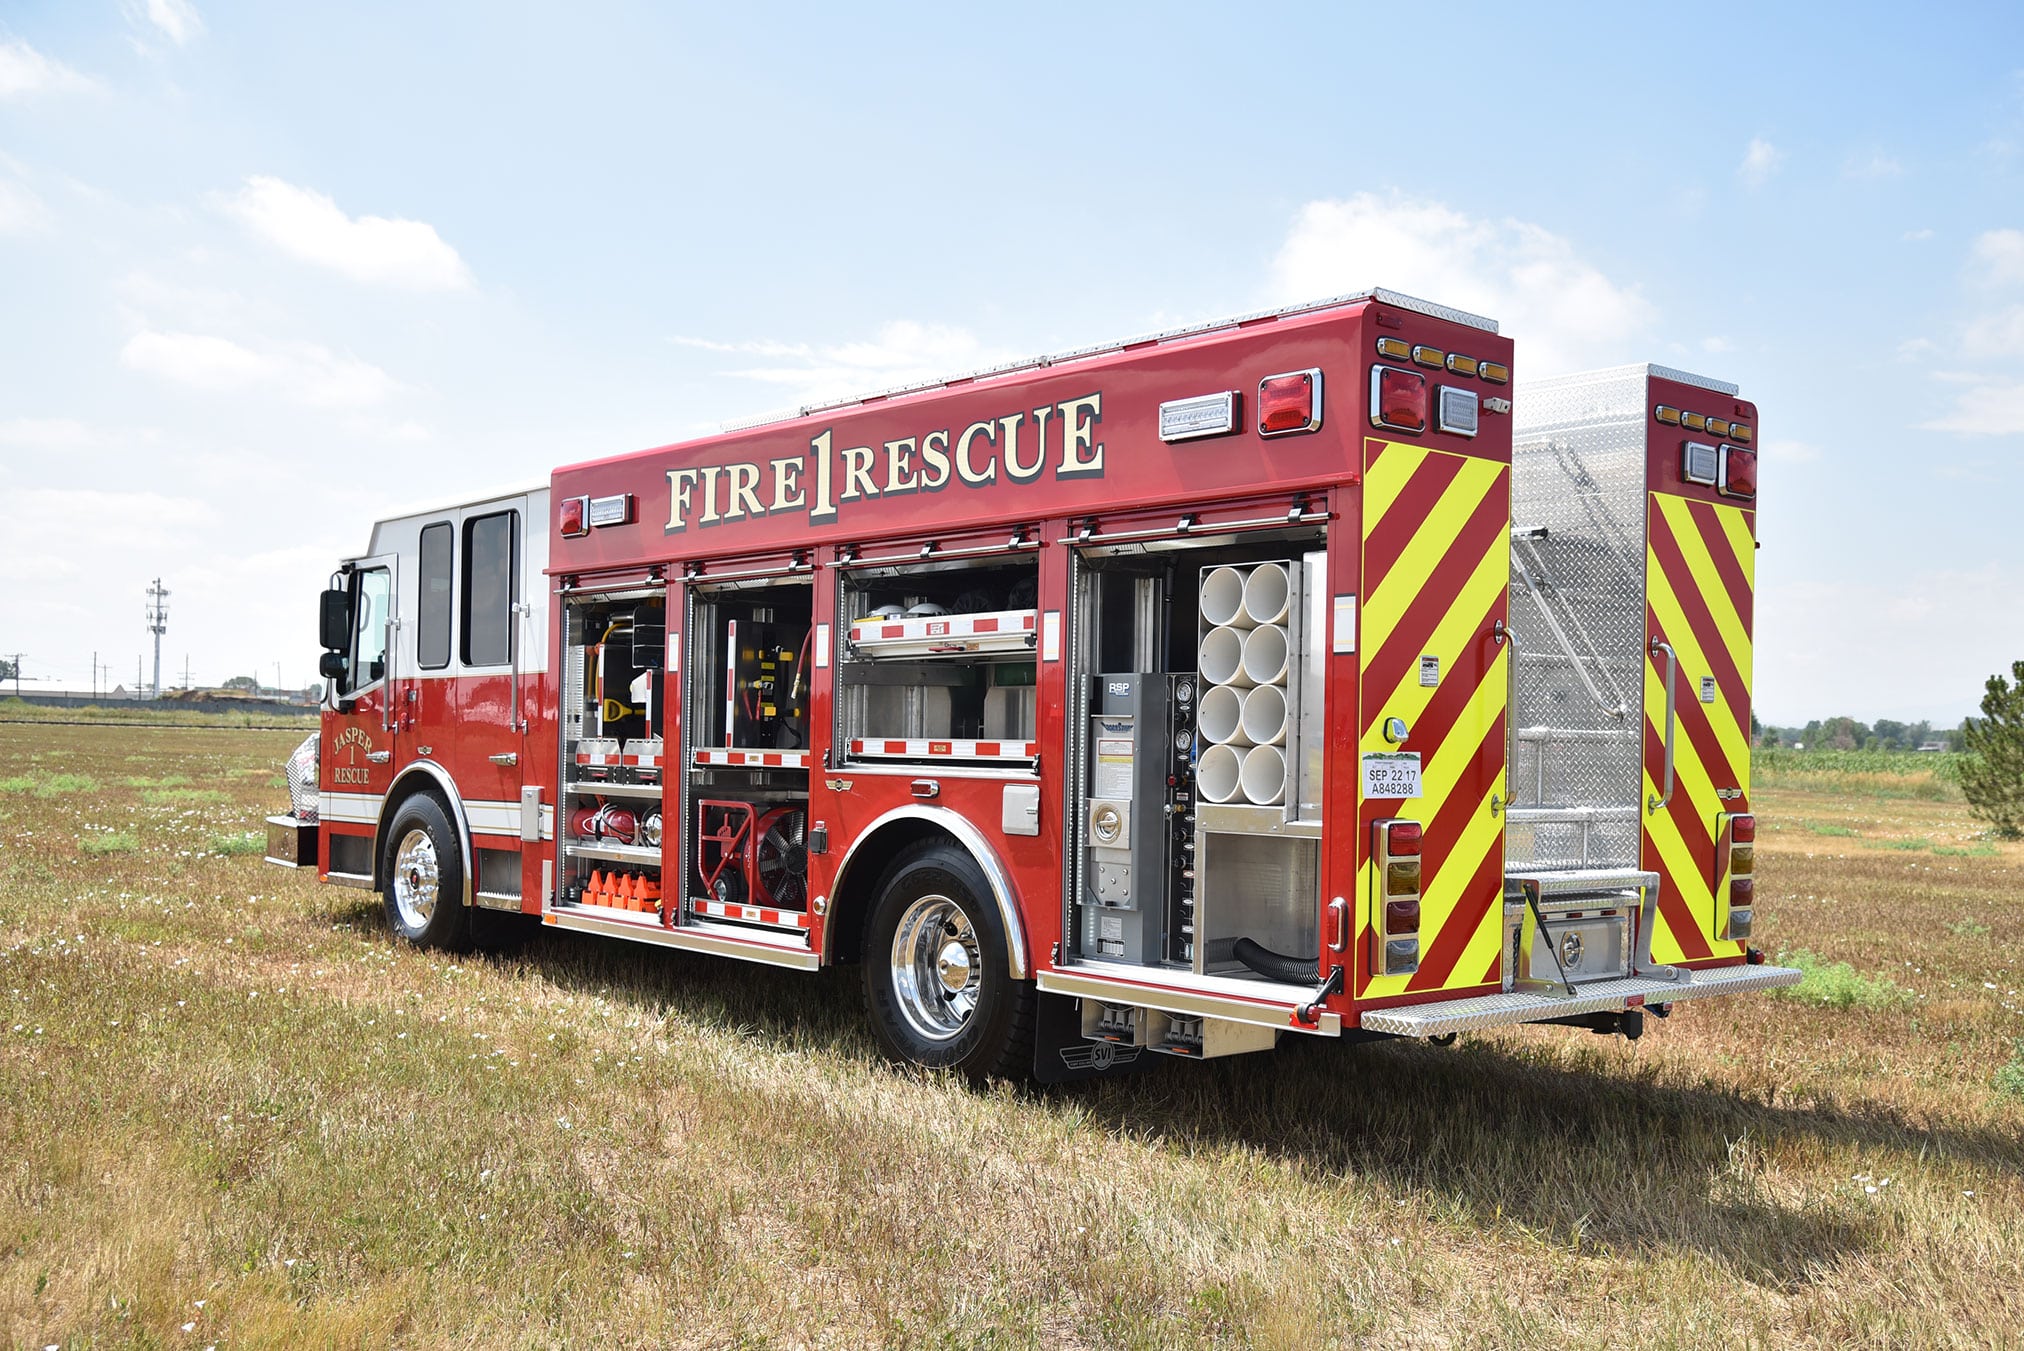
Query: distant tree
x=1888, y=735
x=1838, y=734
x=243, y=683
x=1993, y=778
x=7, y=671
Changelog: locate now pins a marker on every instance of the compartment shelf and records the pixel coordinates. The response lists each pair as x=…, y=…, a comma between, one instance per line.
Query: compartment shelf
x=752, y=914
x=599, y=788
x=615, y=853
x=744, y=759
x=1001, y=632
x=878, y=748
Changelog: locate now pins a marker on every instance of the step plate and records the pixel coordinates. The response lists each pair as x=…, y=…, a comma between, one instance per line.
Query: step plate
x=1604, y=996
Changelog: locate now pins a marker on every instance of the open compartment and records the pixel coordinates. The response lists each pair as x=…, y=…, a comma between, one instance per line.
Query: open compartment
x=1199, y=753
x=937, y=660
x=751, y=663
x=613, y=711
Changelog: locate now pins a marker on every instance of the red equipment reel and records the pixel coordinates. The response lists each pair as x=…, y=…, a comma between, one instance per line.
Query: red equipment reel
x=607, y=821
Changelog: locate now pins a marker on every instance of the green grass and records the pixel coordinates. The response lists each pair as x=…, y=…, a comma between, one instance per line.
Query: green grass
x=110, y=842
x=18, y=783
x=165, y=714
x=238, y=846
x=1908, y=846
x=1837, y=985
x=62, y=785
x=1968, y=928
x=2009, y=1078
x=1831, y=828
x=186, y=797
x=1928, y=776
x=165, y=781
x=222, y=1082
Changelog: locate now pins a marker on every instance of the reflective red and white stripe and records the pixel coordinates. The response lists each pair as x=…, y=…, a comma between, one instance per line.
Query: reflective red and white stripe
x=753, y=914
x=755, y=759
x=946, y=750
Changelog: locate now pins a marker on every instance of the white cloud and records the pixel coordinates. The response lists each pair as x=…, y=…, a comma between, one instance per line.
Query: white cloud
x=1918, y=236
x=1760, y=160
x=1988, y=407
x=308, y=225
x=904, y=352
x=1716, y=343
x=2001, y=255
x=1995, y=336
x=25, y=72
x=176, y=20
x=20, y=209
x=1564, y=311
x=1912, y=349
x=1873, y=166
x=299, y=372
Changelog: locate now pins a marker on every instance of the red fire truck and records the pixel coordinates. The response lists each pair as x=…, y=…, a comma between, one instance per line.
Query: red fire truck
x=1171, y=696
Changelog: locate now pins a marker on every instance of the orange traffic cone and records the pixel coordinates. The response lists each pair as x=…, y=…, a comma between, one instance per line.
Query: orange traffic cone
x=624, y=896
x=593, y=890
x=649, y=894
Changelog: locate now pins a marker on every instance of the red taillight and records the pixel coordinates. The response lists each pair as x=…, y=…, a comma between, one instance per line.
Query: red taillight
x=1398, y=399
x=1402, y=839
x=1739, y=472
x=1289, y=403
x=570, y=516
x=1743, y=829
x=1741, y=891
x=1402, y=917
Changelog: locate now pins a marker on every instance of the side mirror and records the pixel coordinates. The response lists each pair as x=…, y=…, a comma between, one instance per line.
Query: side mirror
x=334, y=621
x=332, y=666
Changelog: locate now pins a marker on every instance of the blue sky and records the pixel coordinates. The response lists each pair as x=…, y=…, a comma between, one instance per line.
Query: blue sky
x=269, y=271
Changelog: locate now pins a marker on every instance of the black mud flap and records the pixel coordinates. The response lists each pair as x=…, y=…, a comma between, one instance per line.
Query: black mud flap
x=1061, y=1054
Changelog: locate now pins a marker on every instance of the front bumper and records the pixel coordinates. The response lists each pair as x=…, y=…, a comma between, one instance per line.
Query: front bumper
x=1603, y=996
x=291, y=843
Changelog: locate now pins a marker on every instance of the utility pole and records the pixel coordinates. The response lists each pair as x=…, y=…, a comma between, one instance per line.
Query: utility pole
x=94, y=677
x=17, y=673
x=158, y=623
x=186, y=670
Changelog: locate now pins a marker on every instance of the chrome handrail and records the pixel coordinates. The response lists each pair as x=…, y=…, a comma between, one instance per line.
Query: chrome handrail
x=1656, y=804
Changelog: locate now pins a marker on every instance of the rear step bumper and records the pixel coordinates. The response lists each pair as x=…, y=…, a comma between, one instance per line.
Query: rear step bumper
x=1604, y=996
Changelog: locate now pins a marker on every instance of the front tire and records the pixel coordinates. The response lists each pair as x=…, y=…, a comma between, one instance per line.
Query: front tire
x=937, y=975
x=424, y=877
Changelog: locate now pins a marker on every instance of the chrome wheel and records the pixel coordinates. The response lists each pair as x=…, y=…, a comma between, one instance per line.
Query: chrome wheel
x=937, y=968
x=417, y=879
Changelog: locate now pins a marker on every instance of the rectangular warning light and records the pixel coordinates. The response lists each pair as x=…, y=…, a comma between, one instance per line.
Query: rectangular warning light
x=1202, y=415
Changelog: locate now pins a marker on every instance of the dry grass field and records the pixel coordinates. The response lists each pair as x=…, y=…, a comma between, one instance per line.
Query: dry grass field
x=233, y=1113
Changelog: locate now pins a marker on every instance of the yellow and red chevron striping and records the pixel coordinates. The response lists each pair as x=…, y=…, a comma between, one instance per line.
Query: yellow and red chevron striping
x=1436, y=573
x=1699, y=569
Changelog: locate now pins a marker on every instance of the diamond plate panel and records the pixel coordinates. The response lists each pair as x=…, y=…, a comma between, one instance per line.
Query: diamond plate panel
x=1578, y=613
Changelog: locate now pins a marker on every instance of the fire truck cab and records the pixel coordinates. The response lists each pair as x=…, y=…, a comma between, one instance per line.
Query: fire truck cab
x=1276, y=676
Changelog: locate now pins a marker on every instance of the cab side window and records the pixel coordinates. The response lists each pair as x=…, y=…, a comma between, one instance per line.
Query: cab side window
x=433, y=636
x=491, y=586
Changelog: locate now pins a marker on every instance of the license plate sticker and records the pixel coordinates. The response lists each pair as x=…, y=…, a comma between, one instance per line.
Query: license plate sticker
x=1391, y=774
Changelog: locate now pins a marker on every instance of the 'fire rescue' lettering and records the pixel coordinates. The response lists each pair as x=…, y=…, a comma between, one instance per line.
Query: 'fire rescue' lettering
x=1008, y=448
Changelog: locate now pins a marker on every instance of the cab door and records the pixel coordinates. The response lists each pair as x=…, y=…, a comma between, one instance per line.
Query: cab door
x=488, y=745
x=362, y=726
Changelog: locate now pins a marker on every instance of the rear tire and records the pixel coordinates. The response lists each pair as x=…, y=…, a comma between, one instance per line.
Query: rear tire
x=424, y=877
x=937, y=972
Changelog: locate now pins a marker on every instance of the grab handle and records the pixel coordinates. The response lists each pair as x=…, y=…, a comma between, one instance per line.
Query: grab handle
x=1656, y=804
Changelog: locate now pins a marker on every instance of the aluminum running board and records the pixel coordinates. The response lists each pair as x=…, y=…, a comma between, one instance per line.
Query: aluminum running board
x=1604, y=996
